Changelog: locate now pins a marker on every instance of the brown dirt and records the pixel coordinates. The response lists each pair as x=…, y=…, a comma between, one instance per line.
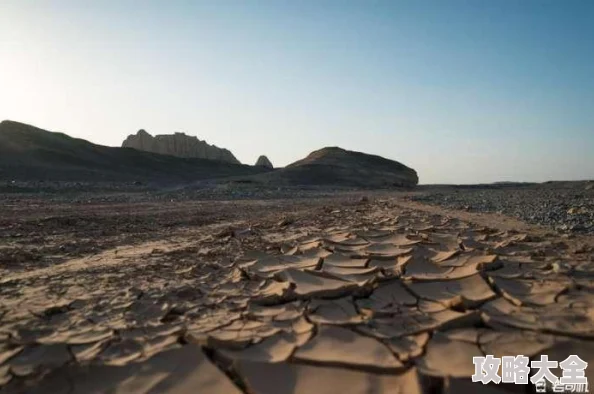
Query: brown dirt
x=348, y=293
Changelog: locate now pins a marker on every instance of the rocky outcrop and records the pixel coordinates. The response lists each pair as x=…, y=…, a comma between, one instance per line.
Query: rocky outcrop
x=179, y=145
x=264, y=162
x=339, y=167
x=28, y=153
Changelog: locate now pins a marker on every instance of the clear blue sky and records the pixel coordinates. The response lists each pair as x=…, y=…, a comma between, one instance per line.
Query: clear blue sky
x=462, y=91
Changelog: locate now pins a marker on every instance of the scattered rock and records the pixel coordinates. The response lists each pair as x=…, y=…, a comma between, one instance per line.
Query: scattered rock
x=286, y=221
x=566, y=206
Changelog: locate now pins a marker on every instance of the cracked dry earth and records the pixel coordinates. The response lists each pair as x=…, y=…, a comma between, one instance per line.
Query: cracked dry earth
x=371, y=298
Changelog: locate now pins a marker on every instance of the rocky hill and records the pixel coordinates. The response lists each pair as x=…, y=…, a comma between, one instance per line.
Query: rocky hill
x=179, y=145
x=30, y=153
x=339, y=167
x=264, y=162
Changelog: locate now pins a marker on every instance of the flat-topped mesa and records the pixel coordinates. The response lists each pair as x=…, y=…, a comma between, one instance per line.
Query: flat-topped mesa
x=179, y=145
x=264, y=162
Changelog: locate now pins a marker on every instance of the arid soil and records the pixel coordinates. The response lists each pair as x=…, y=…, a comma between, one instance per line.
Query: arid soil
x=567, y=207
x=352, y=292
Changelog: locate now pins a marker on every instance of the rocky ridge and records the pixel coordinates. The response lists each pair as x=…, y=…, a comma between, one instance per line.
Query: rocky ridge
x=31, y=154
x=179, y=145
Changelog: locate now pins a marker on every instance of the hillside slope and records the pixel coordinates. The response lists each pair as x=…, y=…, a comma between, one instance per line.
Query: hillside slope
x=30, y=153
x=340, y=167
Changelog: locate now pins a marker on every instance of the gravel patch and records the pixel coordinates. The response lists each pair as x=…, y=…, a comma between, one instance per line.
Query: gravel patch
x=567, y=207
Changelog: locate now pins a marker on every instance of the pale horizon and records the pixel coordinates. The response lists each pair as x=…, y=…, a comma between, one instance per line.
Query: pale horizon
x=462, y=92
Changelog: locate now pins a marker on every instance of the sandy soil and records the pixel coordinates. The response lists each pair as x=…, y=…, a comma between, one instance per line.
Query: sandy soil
x=356, y=293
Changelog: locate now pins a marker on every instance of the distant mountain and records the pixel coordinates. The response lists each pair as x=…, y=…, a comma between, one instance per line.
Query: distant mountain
x=179, y=145
x=30, y=153
x=337, y=166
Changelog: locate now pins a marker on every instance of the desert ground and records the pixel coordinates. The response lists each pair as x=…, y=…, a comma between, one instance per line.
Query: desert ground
x=234, y=289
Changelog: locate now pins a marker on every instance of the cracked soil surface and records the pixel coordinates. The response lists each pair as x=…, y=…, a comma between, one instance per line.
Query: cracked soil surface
x=348, y=294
